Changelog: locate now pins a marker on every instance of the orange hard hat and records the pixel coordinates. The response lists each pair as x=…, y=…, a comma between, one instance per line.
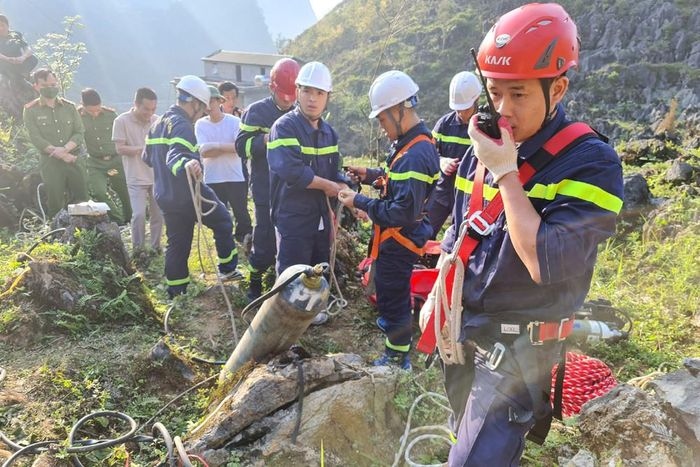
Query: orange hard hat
x=537, y=40
x=282, y=76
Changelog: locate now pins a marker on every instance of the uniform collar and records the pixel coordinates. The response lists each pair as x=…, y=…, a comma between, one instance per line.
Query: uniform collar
x=42, y=102
x=418, y=129
x=532, y=145
x=322, y=125
x=178, y=110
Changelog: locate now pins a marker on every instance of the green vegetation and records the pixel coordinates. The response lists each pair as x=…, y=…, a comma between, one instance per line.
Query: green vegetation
x=61, y=52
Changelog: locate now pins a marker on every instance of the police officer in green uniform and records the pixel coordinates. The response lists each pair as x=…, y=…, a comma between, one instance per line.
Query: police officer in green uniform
x=56, y=130
x=104, y=165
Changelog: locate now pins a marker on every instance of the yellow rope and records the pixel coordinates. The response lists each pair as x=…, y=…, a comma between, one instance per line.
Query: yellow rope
x=14, y=284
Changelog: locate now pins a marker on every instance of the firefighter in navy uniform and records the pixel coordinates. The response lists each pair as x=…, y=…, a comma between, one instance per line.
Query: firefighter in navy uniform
x=305, y=172
x=251, y=144
x=452, y=141
x=401, y=227
x=171, y=149
x=531, y=267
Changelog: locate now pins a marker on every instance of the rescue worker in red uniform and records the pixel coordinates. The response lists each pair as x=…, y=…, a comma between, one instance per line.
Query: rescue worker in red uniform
x=171, y=149
x=401, y=227
x=533, y=255
x=452, y=141
x=251, y=144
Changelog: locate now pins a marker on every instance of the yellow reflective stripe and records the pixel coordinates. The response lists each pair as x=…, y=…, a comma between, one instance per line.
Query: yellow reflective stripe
x=324, y=151
x=177, y=165
x=251, y=128
x=248, y=146
x=283, y=142
x=186, y=280
x=169, y=141
x=234, y=252
x=580, y=190
x=415, y=175
x=462, y=184
x=398, y=348
x=452, y=139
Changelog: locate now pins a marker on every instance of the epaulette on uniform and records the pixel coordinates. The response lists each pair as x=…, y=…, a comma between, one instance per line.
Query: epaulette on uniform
x=109, y=109
x=31, y=104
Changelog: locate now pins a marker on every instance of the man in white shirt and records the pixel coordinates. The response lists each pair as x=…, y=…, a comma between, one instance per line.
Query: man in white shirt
x=129, y=135
x=223, y=168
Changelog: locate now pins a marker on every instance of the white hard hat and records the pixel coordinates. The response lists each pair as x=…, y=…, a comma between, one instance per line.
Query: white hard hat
x=315, y=75
x=465, y=89
x=390, y=88
x=195, y=87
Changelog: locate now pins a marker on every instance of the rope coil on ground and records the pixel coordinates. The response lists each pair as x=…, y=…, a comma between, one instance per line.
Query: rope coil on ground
x=406, y=447
x=585, y=378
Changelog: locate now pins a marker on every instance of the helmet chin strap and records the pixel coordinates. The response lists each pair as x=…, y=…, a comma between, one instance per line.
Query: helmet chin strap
x=397, y=123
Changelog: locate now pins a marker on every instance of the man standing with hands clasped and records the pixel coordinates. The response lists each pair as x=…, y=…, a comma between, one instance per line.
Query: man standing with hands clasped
x=534, y=199
x=401, y=227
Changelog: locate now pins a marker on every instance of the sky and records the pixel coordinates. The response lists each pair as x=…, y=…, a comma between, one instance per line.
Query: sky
x=321, y=7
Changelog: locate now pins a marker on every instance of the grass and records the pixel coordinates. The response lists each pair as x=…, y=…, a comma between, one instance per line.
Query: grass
x=651, y=272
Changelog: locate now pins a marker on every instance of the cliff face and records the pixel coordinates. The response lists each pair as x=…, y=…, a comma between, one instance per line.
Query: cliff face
x=636, y=58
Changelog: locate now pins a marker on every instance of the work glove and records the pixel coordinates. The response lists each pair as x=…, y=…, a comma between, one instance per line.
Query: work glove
x=498, y=155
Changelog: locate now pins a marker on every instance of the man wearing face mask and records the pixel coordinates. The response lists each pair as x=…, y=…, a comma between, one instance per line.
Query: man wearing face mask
x=305, y=171
x=171, y=149
x=56, y=130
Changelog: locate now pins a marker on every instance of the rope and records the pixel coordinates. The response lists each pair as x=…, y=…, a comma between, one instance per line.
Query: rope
x=408, y=432
x=336, y=301
x=642, y=382
x=585, y=378
x=447, y=338
x=195, y=187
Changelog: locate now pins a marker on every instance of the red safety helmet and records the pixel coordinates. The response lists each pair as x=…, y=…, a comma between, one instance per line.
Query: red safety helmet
x=537, y=40
x=282, y=77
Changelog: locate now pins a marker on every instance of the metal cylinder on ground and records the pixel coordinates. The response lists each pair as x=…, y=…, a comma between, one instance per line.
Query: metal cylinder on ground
x=282, y=318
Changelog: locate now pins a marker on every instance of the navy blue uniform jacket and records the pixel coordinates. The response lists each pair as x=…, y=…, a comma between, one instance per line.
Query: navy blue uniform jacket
x=296, y=153
x=411, y=180
x=250, y=144
x=578, y=195
x=169, y=146
x=451, y=140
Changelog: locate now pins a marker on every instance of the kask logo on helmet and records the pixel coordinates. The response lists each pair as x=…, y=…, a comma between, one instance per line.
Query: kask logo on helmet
x=499, y=61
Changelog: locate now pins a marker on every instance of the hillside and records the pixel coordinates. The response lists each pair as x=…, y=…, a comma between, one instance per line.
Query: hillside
x=134, y=43
x=636, y=57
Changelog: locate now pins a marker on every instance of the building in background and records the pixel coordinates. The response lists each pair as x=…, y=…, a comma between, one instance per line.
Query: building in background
x=249, y=71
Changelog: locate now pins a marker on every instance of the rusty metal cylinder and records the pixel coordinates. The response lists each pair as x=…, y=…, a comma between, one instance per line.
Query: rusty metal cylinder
x=282, y=318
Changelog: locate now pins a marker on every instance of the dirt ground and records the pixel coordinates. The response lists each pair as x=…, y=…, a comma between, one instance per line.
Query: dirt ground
x=54, y=379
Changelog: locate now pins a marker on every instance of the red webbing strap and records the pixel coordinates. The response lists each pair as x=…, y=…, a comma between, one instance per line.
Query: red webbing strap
x=559, y=142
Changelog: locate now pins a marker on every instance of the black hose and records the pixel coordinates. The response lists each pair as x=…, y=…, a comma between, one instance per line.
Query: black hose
x=258, y=301
x=87, y=445
x=24, y=255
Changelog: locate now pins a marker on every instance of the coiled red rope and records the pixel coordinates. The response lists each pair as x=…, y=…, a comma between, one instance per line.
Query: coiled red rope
x=585, y=378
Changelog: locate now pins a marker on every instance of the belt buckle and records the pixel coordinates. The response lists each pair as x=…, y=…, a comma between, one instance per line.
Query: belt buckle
x=495, y=356
x=531, y=330
x=561, y=329
x=484, y=228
